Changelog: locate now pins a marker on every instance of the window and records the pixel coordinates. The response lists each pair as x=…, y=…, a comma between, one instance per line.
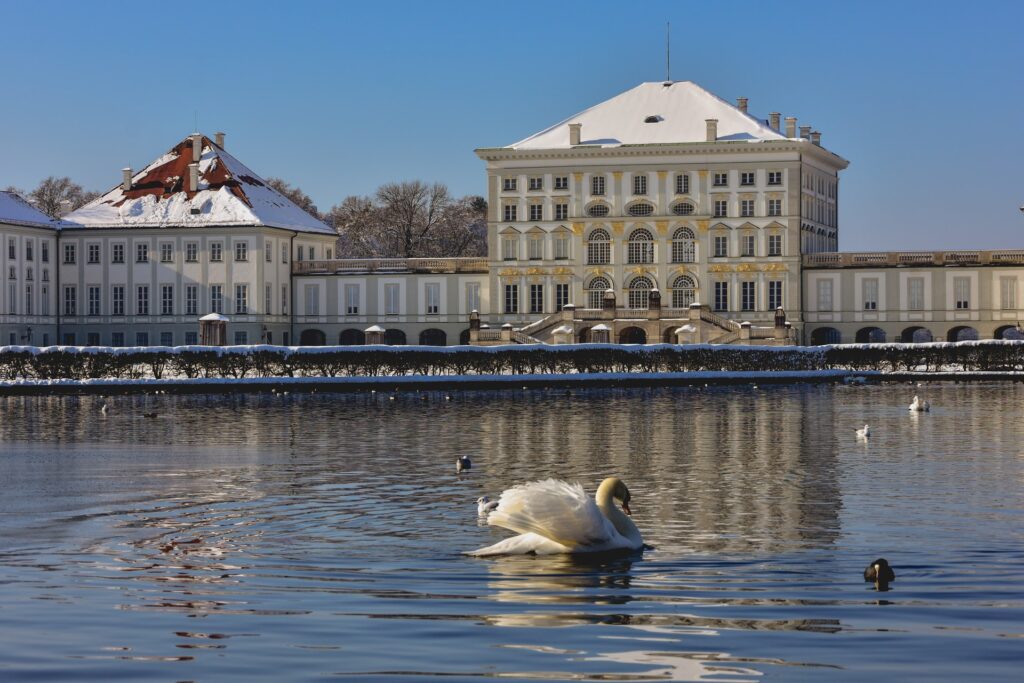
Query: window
x=511, y=298
x=284, y=299
x=92, y=253
x=774, y=294
x=191, y=300
x=683, y=209
x=561, y=295
x=93, y=294
x=683, y=246
x=597, y=185
x=682, y=183
x=915, y=293
x=216, y=298
x=641, y=209
x=241, y=299
x=684, y=292
x=508, y=184
x=595, y=292
x=284, y=253
x=69, y=253
x=241, y=337
x=869, y=292
x=268, y=252
x=268, y=299
x=12, y=248
x=748, y=295
x=217, y=251
x=721, y=296
x=28, y=299
x=191, y=338
x=536, y=298
x=639, y=184
x=391, y=299
x=92, y=339
x=351, y=299
x=638, y=295
x=44, y=252
x=142, y=253
x=774, y=207
x=166, y=299
x=312, y=299
x=640, y=247
x=241, y=251
x=561, y=247
x=599, y=248
x=12, y=273
x=166, y=339
x=70, y=300
x=561, y=182
x=44, y=303
x=117, y=339
x=962, y=292
x=774, y=177
x=117, y=300
x=166, y=252
x=142, y=338
x=747, y=245
x=775, y=245
x=598, y=211
x=117, y=253
x=561, y=211
x=432, y=293
x=472, y=296
x=746, y=207
x=747, y=178
x=536, y=183
x=721, y=208
x=721, y=179
x=12, y=293
x=510, y=247
x=536, y=247
x=142, y=300
x=28, y=273
x=46, y=275
x=1007, y=293
x=28, y=250
x=536, y=212
x=721, y=245
x=510, y=212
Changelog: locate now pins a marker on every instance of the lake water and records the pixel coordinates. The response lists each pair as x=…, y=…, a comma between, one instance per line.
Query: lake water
x=304, y=537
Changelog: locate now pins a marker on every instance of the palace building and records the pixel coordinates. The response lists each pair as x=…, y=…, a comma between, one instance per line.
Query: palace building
x=664, y=214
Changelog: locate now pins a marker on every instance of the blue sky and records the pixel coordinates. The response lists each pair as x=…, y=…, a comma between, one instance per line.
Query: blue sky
x=924, y=98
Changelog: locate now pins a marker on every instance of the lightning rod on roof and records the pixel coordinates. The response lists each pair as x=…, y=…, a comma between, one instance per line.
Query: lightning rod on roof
x=668, y=53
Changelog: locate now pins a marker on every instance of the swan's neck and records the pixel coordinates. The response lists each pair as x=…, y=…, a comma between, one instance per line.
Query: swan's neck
x=606, y=504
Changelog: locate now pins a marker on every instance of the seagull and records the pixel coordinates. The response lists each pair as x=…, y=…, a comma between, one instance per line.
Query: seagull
x=920, y=406
x=879, y=571
x=484, y=505
x=463, y=463
x=864, y=433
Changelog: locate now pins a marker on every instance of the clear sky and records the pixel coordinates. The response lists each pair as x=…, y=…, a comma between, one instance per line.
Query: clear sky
x=924, y=98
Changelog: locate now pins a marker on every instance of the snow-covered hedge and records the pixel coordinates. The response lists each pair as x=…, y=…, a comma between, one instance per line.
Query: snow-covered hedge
x=77, y=362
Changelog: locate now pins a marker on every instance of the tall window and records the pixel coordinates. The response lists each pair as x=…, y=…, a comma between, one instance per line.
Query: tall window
x=747, y=243
x=748, y=295
x=284, y=253
x=721, y=245
x=915, y=293
x=268, y=300
x=775, y=245
x=561, y=182
x=597, y=185
x=142, y=300
x=268, y=251
x=191, y=252
x=599, y=248
x=117, y=300
x=142, y=253
x=684, y=292
x=824, y=295
x=191, y=300
x=191, y=338
x=472, y=296
x=536, y=298
x=142, y=338
x=595, y=292
x=241, y=337
x=536, y=212
x=391, y=298
x=774, y=177
x=721, y=208
x=509, y=247
x=69, y=253
x=241, y=251
x=774, y=294
x=166, y=252
x=92, y=253
x=640, y=184
x=241, y=299
x=684, y=248
x=511, y=298
x=682, y=183
x=561, y=211
x=217, y=251
x=640, y=247
x=70, y=300
x=166, y=299
x=1007, y=293
x=535, y=183
x=510, y=212
x=216, y=298
x=12, y=248
x=166, y=339
x=720, y=179
x=536, y=247
x=12, y=299
x=508, y=184
x=351, y=299
x=962, y=292
x=639, y=292
x=869, y=292
x=94, y=300
x=284, y=299
x=747, y=178
x=721, y=301
x=44, y=252
x=313, y=299
x=774, y=207
x=432, y=293
x=560, y=246
x=28, y=299
x=746, y=207
x=561, y=295
x=44, y=302
x=117, y=253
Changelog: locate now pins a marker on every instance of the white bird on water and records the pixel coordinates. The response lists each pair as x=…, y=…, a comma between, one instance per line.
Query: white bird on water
x=554, y=517
x=463, y=464
x=864, y=433
x=920, y=406
x=484, y=505
x=103, y=409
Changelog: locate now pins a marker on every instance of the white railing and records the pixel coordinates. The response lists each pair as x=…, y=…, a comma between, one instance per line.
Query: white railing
x=917, y=258
x=391, y=265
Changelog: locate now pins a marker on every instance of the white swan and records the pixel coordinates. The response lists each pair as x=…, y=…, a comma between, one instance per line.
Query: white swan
x=484, y=505
x=864, y=433
x=554, y=516
x=920, y=406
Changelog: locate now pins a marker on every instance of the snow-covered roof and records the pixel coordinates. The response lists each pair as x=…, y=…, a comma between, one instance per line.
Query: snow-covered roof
x=16, y=211
x=215, y=317
x=228, y=194
x=654, y=113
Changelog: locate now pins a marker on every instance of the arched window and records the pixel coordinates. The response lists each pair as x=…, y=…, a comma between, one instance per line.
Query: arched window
x=684, y=292
x=595, y=291
x=599, y=248
x=683, y=209
x=640, y=209
x=640, y=248
x=684, y=248
x=597, y=211
x=639, y=292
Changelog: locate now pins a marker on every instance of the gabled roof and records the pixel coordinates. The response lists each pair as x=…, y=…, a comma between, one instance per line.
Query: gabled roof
x=228, y=194
x=676, y=111
x=16, y=211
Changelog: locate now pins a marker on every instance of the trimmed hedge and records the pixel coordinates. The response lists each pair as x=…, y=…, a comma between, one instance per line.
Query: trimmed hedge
x=75, y=362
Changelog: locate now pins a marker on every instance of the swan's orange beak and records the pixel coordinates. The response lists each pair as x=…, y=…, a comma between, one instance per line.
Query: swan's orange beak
x=625, y=508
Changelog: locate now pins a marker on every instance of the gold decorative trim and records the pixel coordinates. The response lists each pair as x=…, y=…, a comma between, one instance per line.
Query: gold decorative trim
x=703, y=173
x=617, y=175
x=662, y=175
x=702, y=224
x=719, y=268
x=662, y=227
x=617, y=227
x=577, y=176
x=577, y=228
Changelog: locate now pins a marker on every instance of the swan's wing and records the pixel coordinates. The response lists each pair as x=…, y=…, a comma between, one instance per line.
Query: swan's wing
x=523, y=544
x=556, y=510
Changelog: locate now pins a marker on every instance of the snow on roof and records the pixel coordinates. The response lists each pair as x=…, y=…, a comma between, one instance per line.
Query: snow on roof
x=228, y=194
x=676, y=111
x=16, y=211
x=216, y=317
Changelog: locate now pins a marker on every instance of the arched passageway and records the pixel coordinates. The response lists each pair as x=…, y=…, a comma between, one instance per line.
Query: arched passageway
x=312, y=338
x=632, y=335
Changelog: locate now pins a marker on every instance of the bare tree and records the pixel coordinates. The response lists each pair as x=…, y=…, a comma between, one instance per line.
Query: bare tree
x=58, y=196
x=16, y=190
x=300, y=198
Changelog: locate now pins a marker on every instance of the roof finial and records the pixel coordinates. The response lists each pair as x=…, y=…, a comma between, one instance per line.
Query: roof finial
x=668, y=53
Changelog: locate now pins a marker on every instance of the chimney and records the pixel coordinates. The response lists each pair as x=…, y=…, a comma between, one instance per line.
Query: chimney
x=575, y=131
x=741, y=102
x=712, y=129
x=126, y=179
x=193, y=177
x=805, y=132
x=790, y=126
x=220, y=139
x=197, y=146
x=816, y=138
x=773, y=120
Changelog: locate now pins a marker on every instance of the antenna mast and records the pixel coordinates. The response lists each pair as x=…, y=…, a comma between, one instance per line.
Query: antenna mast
x=668, y=53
